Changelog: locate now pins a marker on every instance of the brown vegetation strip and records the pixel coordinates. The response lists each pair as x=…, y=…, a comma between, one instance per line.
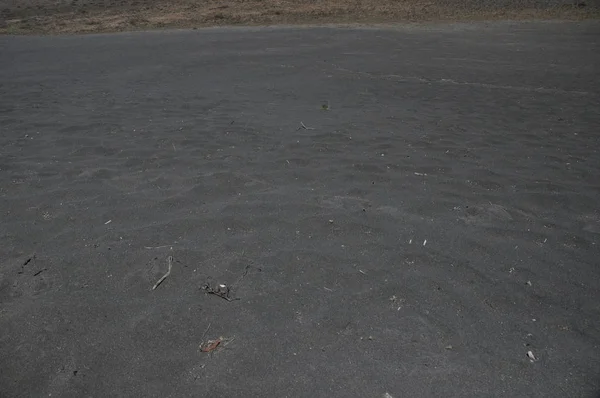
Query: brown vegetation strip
x=87, y=16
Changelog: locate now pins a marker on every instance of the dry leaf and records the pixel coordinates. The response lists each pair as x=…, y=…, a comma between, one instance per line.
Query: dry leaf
x=210, y=345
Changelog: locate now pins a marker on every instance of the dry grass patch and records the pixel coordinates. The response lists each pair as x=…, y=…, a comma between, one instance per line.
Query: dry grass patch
x=86, y=16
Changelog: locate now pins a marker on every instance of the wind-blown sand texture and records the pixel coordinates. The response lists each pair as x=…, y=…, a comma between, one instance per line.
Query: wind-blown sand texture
x=420, y=236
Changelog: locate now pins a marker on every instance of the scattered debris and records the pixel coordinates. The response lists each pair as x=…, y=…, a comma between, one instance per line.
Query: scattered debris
x=108, y=222
x=448, y=347
x=393, y=299
x=410, y=242
x=532, y=357
x=387, y=395
x=170, y=261
x=221, y=290
x=325, y=107
x=420, y=174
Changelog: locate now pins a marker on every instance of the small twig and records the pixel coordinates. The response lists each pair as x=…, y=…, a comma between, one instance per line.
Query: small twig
x=243, y=275
x=220, y=295
x=170, y=260
x=206, y=331
x=302, y=126
x=222, y=291
x=156, y=247
x=223, y=297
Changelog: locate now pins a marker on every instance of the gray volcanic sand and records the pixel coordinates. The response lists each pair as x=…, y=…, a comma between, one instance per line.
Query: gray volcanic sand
x=438, y=221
